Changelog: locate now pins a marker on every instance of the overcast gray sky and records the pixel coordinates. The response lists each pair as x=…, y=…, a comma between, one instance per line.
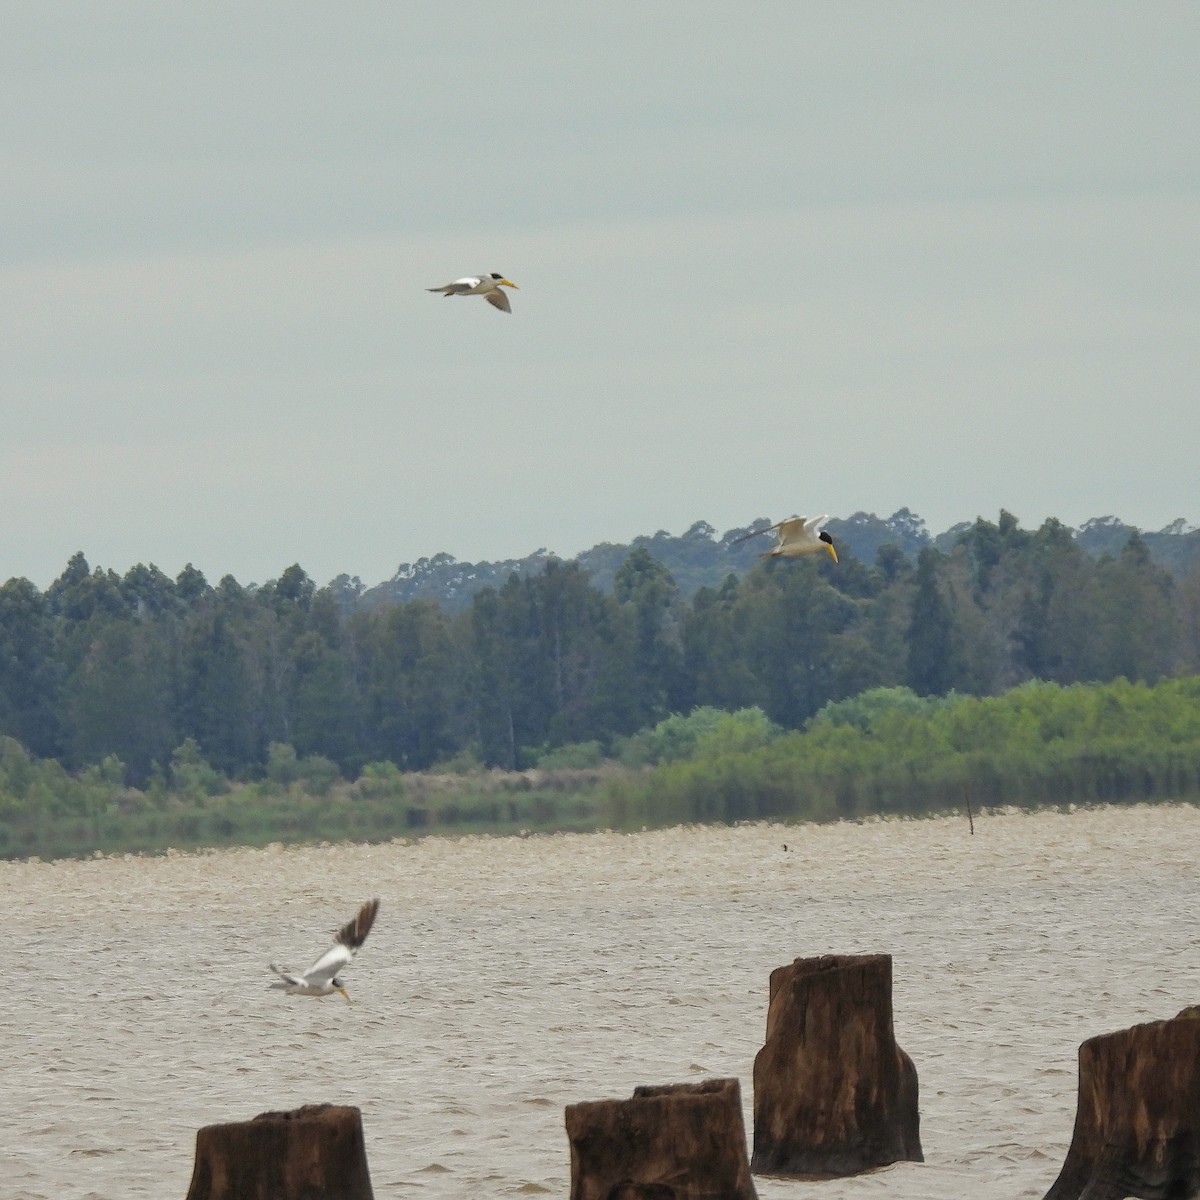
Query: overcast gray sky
x=773, y=258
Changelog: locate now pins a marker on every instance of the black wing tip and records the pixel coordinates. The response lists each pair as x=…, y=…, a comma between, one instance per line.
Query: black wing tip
x=355, y=931
x=753, y=533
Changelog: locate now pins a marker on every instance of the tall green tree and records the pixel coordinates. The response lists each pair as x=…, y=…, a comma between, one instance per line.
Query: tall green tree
x=1136, y=615
x=646, y=596
x=414, y=697
x=117, y=701
x=325, y=702
x=30, y=676
x=791, y=614
x=220, y=702
x=491, y=680
x=1187, y=606
x=933, y=665
x=1054, y=636
x=714, y=669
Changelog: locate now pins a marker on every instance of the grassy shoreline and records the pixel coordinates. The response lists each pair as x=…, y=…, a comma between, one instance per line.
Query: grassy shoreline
x=884, y=752
x=258, y=814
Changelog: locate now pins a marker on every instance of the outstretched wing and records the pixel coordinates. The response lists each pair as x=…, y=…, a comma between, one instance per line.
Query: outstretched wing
x=498, y=300
x=754, y=533
x=345, y=946
x=793, y=529
x=328, y=965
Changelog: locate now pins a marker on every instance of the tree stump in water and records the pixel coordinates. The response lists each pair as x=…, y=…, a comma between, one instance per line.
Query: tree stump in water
x=1137, y=1122
x=684, y=1141
x=833, y=1093
x=311, y=1153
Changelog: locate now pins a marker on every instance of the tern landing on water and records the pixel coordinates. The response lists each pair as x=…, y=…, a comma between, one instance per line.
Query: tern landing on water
x=797, y=535
x=321, y=979
x=487, y=286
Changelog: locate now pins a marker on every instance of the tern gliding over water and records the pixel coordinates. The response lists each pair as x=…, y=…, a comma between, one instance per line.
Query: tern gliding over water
x=487, y=286
x=797, y=535
x=321, y=979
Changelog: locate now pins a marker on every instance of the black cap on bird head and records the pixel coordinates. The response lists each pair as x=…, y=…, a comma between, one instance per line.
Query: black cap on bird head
x=824, y=537
x=495, y=276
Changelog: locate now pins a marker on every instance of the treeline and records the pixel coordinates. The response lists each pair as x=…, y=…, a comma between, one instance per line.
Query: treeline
x=124, y=670
x=703, y=557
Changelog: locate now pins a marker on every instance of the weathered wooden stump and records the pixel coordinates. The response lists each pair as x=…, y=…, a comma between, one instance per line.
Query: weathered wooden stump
x=833, y=1093
x=1137, y=1122
x=311, y=1153
x=684, y=1141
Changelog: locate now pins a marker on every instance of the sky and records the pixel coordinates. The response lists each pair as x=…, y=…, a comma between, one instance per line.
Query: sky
x=772, y=258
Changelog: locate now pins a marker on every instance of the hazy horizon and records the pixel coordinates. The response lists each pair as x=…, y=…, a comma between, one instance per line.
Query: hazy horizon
x=792, y=258
x=216, y=574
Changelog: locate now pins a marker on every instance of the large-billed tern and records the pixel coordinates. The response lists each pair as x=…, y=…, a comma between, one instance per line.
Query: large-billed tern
x=797, y=535
x=487, y=286
x=321, y=979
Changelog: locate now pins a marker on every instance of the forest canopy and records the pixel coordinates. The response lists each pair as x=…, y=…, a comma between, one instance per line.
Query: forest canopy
x=102, y=668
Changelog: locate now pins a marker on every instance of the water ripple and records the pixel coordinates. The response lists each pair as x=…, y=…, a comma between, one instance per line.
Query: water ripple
x=507, y=978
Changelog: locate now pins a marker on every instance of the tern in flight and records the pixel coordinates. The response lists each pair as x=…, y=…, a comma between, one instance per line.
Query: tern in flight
x=797, y=535
x=487, y=286
x=322, y=979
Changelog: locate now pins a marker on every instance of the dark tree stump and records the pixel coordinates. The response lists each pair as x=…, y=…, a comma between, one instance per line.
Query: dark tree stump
x=1137, y=1122
x=312, y=1153
x=833, y=1093
x=684, y=1141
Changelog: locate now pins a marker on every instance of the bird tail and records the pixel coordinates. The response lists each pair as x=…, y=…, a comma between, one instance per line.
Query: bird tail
x=289, y=980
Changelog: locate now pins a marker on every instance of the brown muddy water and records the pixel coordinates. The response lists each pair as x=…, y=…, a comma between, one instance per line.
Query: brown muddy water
x=507, y=978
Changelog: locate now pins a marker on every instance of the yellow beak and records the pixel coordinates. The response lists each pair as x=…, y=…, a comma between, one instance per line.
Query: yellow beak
x=832, y=552
x=509, y=283
x=345, y=994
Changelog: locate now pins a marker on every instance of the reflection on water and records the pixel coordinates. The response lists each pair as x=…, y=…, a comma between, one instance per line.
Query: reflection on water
x=507, y=978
